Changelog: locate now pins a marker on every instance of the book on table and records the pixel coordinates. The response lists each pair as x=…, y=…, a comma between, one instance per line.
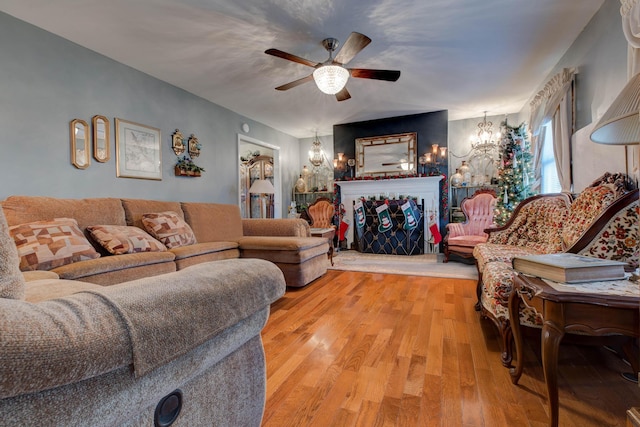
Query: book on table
x=569, y=268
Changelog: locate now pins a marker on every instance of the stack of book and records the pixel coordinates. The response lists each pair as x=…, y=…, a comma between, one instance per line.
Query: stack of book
x=569, y=268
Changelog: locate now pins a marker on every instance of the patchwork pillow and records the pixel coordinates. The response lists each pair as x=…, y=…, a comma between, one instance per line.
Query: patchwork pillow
x=169, y=228
x=124, y=239
x=44, y=245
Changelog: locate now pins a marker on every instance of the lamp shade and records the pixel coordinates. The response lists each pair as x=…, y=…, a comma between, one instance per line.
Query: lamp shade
x=262, y=186
x=620, y=124
x=331, y=79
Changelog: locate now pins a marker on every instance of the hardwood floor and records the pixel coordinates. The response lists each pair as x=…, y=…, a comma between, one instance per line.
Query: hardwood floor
x=356, y=349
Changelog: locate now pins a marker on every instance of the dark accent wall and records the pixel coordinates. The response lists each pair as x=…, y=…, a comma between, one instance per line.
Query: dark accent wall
x=430, y=127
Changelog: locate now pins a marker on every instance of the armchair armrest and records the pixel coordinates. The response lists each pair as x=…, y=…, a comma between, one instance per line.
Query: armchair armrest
x=295, y=227
x=455, y=229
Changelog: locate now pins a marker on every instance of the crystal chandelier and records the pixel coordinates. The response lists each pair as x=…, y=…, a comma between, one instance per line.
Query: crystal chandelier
x=316, y=155
x=484, y=141
x=331, y=79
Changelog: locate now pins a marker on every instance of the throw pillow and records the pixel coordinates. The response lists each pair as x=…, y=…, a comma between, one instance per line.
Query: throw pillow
x=124, y=239
x=11, y=279
x=169, y=228
x=44, y=245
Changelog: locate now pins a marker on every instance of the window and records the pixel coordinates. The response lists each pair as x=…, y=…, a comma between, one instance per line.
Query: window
x=550, y=181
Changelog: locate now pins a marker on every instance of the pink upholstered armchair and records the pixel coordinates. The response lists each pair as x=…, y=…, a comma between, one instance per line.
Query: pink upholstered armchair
x=462, y=237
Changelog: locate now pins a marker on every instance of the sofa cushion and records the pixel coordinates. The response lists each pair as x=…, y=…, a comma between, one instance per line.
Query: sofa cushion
x=169, y=228
x=279, y=249
x=109, y=270
x=589, y=204
x=618, y=238
x=124, y=239
x=43, y=245
x=11, y=279
x=213, y=222
x=196, y=249
x=536, y=224
x=485, y=253
x=46, y=289
x=23, y=209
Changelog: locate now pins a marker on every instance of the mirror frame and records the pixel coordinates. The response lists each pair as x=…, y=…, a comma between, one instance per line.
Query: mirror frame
x=107, y=139
x=383, y=155
x=75, y=160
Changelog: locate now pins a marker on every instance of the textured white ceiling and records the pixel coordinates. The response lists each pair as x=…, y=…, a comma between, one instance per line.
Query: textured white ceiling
x=465, y=56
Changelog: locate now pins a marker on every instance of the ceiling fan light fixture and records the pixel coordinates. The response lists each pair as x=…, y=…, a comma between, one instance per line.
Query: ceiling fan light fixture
x=331, y=79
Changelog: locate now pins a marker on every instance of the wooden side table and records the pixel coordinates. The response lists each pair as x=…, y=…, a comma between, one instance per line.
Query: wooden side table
x=327, y=233
x=569, y=308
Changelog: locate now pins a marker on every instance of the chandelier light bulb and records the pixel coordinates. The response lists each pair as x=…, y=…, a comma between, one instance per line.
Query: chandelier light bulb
x=331, y=79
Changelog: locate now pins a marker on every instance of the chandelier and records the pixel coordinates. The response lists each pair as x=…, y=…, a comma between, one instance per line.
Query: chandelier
x=316, y=155
x=331, y=79
x=484, y=140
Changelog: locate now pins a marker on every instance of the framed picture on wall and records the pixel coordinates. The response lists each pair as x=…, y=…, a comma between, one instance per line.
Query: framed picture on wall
x=138, y=151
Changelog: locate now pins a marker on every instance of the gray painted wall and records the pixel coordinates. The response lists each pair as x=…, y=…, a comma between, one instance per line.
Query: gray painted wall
x=46, y=81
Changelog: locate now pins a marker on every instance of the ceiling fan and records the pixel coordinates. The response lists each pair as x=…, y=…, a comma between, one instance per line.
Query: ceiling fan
x=331, y=75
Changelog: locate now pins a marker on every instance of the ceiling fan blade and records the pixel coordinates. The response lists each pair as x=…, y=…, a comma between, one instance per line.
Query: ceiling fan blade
x=290, y=57
x=343, y=95
x=364, y=73
x=354, y=44
x=295, y=83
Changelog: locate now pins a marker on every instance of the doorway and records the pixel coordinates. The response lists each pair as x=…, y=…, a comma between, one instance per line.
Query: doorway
x=258, y=160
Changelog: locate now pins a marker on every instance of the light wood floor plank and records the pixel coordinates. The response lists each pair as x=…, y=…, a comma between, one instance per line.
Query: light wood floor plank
x=358, y=349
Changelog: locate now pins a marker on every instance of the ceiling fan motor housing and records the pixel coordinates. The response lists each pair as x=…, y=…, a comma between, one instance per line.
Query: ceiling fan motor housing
x=331, y=44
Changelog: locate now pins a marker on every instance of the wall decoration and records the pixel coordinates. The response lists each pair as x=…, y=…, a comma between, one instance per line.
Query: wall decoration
x=194, y=146
x=101, y=139
x=79, y=132
x=177, y=142
x=185, y=165
x=138, y=151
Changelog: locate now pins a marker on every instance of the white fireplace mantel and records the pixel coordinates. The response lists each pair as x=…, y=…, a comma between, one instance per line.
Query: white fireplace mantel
x=423, y=188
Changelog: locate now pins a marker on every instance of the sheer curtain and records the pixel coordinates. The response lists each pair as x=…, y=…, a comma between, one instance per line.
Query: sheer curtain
x=555, y=103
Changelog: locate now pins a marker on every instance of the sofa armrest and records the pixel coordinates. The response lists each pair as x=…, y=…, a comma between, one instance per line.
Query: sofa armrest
x=295, y=227
x=144, y=323
x=58, y=342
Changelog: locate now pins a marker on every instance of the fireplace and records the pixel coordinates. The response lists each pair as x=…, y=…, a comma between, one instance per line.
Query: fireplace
x=425, y=189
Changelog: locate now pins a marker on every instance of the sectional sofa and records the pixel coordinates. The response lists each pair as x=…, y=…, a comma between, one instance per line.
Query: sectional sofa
x=105, y=324
x=193, y=232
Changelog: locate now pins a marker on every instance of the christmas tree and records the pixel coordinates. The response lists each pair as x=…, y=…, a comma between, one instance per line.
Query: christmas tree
x=515, y=173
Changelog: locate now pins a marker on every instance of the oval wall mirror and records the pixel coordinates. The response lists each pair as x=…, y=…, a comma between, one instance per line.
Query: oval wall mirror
x=101, y=149
x=79, y=143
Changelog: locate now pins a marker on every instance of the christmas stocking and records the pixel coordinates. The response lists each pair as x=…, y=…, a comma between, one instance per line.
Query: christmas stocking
x=410, y=221
x=384, y=218
x=359, y=209
x=435, y=233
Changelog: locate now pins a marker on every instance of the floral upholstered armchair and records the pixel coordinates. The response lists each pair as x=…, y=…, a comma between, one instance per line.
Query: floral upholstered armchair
x=462, y=237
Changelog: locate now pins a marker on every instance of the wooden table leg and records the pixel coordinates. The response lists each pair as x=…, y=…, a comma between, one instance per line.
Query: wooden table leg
x=552, y=333
x=514, y=318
